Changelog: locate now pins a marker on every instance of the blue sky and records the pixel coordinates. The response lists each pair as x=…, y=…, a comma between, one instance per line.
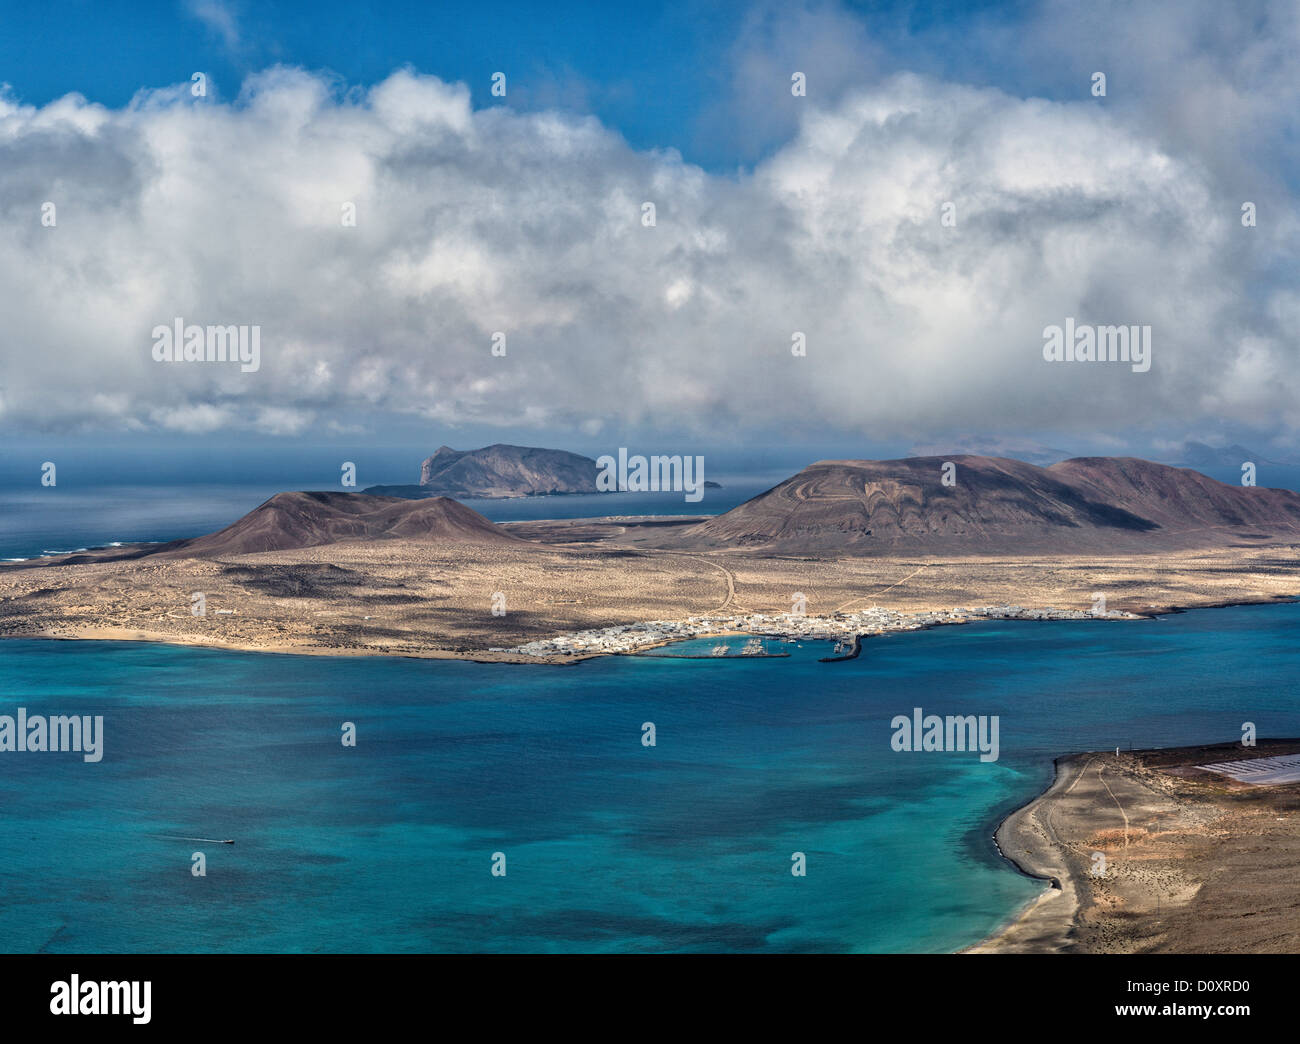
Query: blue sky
x=653, y=70
x=642, y=67
x=777, y=215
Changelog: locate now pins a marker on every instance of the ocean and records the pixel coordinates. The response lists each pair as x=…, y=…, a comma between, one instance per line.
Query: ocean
x=609, y=845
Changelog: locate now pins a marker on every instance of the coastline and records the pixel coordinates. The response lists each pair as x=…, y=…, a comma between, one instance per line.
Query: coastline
x=1146, y=852
x=134, y=635
x=486, y=656
x=514, y=655
x=1178, y=819
x=1045, y=922
x=810, y=628
x=606, y=593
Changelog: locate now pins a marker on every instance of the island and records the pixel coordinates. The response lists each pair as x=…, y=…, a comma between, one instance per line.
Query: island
x=842, y=549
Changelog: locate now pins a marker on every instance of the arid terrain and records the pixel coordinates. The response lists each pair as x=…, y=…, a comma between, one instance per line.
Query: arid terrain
x=1190, y=861
x=336, y=572
x=1193, y=862
x=422, y=598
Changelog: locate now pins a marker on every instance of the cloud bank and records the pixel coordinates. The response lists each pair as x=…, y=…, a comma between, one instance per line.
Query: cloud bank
x=472, y=222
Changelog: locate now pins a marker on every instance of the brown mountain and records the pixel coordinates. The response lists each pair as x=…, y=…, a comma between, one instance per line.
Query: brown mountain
x=499, y=471
x=1179, y=499
x=290, y=520
x=998, y=505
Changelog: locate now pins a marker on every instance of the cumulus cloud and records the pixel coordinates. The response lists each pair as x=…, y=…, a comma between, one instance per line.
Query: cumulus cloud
x=471, y=222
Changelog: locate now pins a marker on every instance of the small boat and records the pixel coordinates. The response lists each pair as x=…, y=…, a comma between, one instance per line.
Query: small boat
x=753, y=647
x=720, y=650
x=206, y=840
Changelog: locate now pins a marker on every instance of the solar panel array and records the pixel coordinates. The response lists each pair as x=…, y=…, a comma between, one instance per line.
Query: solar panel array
x=1262, y=772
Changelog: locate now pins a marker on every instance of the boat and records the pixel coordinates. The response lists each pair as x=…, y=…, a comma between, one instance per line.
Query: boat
x=753, y=647
x=719, y=650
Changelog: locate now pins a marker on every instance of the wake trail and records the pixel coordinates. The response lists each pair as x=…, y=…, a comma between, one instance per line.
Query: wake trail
x=209, y=840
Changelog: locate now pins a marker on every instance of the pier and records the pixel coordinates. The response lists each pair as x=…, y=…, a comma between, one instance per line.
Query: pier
x=852, y=654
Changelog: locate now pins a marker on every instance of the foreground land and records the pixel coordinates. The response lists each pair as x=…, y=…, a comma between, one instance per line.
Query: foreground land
x=1190, y=861
x=413, y=598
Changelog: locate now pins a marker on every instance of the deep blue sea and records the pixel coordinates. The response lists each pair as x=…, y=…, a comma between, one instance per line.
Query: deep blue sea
x=609, y=845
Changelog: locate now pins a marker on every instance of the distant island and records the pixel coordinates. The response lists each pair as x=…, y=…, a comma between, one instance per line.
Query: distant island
x=501, y=471
x=1200, y=455
x=843, y=549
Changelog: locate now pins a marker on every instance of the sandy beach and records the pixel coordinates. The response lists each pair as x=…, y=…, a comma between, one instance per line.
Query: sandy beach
x=1143, y=852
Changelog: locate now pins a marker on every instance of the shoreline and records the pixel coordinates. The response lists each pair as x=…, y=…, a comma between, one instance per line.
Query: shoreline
x=997, y=836
x=1145, y=851
x=1146, y=901
x=1048, y=929
x=596, y=592
x=812, y=628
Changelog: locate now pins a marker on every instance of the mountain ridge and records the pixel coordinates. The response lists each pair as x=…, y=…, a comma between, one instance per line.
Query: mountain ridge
x=997, y=504
x=302, y=519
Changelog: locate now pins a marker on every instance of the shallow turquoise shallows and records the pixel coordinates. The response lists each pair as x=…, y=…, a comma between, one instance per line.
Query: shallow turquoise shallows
x=609, y=845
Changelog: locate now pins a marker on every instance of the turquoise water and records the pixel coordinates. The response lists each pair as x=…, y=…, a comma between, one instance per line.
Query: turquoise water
x=609, y=845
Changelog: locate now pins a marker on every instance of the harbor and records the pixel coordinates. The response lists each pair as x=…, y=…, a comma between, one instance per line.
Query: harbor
x=754, y=649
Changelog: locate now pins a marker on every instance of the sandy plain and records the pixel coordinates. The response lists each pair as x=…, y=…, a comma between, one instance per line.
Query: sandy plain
x=1146, y=853
x=397, y=597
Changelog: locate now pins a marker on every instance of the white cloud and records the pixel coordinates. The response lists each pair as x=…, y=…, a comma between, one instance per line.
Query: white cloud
x=470, y=222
